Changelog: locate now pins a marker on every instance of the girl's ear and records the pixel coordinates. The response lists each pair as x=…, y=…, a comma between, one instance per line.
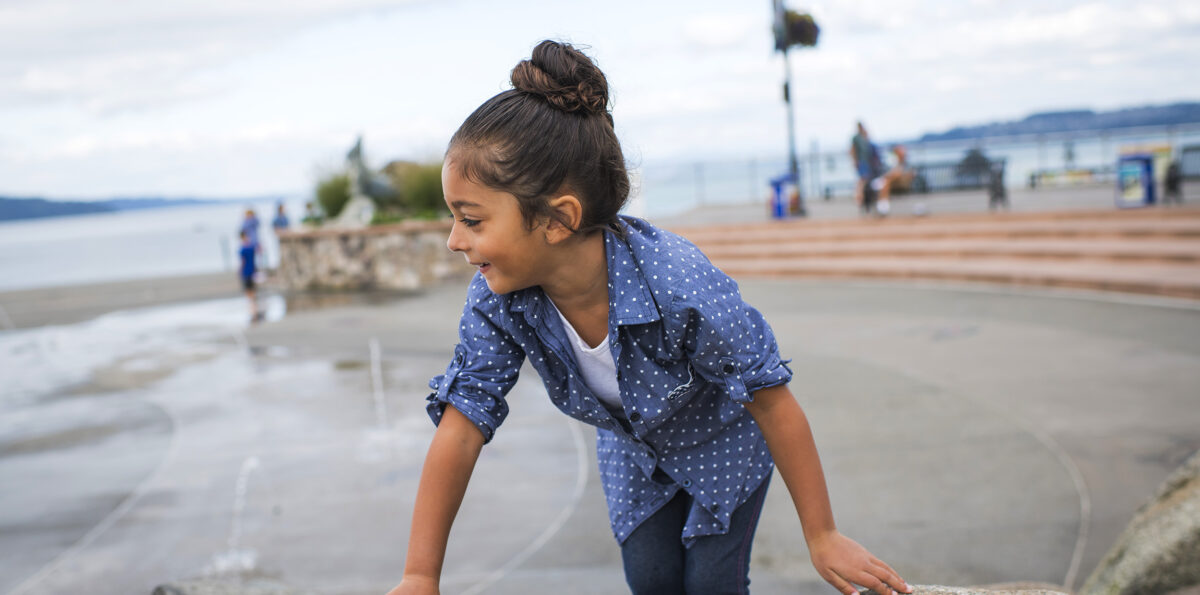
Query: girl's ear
x=568, y=217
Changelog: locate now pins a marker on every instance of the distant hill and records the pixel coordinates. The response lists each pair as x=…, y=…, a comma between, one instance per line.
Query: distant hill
x=34, y=208
x=12, y=208
x=1077, y=120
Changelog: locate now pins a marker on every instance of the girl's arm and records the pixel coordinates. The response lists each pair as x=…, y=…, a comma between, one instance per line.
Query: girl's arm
x=448, y=465
x=837, y=558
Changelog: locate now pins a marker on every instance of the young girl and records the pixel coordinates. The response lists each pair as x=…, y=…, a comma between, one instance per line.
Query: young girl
x=632, y=331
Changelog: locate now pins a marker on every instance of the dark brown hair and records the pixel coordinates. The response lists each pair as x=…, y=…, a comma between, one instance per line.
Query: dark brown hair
x=551, y=134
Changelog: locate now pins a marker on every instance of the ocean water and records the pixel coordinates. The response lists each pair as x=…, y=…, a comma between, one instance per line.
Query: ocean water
x=129, y=244
x=672, y=186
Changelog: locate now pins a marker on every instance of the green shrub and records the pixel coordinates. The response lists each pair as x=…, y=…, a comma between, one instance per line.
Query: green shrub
x=332, y=194
x=422, y=190
x=419, y=186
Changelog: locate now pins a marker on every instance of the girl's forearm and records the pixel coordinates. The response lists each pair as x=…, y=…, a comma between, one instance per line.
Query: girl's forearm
x=448, y=466
x=790, y=440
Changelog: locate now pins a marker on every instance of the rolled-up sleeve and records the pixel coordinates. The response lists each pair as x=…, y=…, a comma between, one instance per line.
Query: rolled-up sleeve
x=729, y=342
x=484, y=368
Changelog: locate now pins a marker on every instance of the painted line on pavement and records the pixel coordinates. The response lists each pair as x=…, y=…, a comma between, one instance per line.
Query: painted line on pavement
x=381, y=414
x=581, y=472
x=108, y=521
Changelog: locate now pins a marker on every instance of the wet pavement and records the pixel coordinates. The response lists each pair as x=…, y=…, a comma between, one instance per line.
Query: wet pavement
x=969, y=435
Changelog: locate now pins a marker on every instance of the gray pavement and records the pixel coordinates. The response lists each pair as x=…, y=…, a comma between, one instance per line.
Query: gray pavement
x=969, y=434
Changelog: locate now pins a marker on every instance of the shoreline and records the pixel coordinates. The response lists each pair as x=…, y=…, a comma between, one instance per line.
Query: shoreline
x=65, y=304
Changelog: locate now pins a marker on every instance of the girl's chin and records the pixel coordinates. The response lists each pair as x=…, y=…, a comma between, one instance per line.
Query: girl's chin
x=501, y=287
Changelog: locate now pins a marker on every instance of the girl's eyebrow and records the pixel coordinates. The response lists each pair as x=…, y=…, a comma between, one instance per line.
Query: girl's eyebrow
x=458, y=204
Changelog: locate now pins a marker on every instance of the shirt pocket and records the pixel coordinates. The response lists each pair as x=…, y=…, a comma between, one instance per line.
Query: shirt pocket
x=677, y=391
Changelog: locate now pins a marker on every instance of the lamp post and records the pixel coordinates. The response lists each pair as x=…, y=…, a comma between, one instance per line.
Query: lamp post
x=792, y=28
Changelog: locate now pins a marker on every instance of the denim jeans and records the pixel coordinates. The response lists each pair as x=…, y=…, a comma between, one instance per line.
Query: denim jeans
x=656, y=563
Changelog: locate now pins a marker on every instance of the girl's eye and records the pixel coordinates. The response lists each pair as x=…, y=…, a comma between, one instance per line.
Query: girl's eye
x=469, y=222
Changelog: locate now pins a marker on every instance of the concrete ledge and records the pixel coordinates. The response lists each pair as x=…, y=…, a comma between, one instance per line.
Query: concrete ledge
x=403, y=256
x=262, y=587
x=1003, y=589
x=228, y=587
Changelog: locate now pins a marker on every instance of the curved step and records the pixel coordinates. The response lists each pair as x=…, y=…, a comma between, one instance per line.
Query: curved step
x=1157, y=279
x=1148, y=251
x=1167, y=251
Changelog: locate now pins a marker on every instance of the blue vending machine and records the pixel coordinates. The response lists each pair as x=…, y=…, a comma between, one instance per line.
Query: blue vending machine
x=1135, y=180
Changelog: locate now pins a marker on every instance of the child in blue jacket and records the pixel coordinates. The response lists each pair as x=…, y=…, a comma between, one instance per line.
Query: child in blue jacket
x=633, y=331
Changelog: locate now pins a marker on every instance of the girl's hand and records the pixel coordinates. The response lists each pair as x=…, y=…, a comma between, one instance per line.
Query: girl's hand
x=416, y=585
x=844, y=563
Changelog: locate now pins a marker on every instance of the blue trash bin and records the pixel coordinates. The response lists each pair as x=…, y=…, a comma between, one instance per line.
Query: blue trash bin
x=780, y=196
x=1135, y=181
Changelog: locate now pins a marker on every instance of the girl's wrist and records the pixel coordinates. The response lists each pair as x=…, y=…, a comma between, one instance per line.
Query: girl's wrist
x=817, y=539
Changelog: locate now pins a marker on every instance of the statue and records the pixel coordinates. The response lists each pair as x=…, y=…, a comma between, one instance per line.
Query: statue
x=367, y=188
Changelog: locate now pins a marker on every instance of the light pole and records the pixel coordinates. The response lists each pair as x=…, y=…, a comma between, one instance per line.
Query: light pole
x=793, y=161
x=792, y=28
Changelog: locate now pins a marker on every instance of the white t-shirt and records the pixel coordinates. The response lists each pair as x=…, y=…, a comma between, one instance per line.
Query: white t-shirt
x=597, y=366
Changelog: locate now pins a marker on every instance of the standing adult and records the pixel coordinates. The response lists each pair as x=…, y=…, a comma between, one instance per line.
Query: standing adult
x=1173, y=184
x=280, y=222
x=861, y=152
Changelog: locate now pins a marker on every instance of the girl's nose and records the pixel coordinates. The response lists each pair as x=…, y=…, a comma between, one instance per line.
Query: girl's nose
x=455, y=242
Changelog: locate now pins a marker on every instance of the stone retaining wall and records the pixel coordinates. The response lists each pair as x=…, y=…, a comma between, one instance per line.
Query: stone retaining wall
x=402, y=256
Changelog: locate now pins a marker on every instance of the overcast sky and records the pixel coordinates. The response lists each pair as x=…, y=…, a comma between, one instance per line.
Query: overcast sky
x=222, y=98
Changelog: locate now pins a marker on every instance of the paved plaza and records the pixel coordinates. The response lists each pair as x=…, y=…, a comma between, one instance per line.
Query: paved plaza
x=970, y=434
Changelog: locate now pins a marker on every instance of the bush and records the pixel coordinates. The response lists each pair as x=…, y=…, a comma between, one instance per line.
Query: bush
x=422, y=190
x=419, y=187
x=332, y=194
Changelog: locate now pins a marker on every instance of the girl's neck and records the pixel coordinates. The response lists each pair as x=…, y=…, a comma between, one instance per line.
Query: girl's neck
x=578, y=278
x=578, y=286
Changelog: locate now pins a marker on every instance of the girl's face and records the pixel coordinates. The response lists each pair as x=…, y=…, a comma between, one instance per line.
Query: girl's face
x=491, y=233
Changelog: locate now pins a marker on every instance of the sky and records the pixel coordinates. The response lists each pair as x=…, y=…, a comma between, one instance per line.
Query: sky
x=232, y=99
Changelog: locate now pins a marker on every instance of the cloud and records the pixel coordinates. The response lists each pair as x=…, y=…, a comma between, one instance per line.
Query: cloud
x=722, y=30
x=141, y=54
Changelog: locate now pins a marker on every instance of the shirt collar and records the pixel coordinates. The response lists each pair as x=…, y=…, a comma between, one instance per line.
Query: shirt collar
x=629, y=297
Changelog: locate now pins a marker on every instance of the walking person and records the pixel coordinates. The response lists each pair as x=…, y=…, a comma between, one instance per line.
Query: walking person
x=634, y=332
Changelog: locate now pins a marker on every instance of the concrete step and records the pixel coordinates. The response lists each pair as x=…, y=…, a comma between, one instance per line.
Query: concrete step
x=1172, y=280
x=1120, y=250
x=1131, y=224
x=1149, y=251
x=1174, y=213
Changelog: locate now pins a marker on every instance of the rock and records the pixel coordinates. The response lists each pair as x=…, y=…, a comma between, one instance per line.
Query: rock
x=1159, y=552
x=1004, y=589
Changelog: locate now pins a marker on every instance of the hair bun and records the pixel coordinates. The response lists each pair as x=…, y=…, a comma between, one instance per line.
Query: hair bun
x=566, y=78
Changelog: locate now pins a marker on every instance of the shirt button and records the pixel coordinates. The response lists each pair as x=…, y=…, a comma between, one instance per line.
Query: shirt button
x=635, y=416
x=687, y=483
x=728, y=369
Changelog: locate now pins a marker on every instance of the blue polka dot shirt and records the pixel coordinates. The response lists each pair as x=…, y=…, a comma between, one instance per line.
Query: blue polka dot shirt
x=689, y=353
